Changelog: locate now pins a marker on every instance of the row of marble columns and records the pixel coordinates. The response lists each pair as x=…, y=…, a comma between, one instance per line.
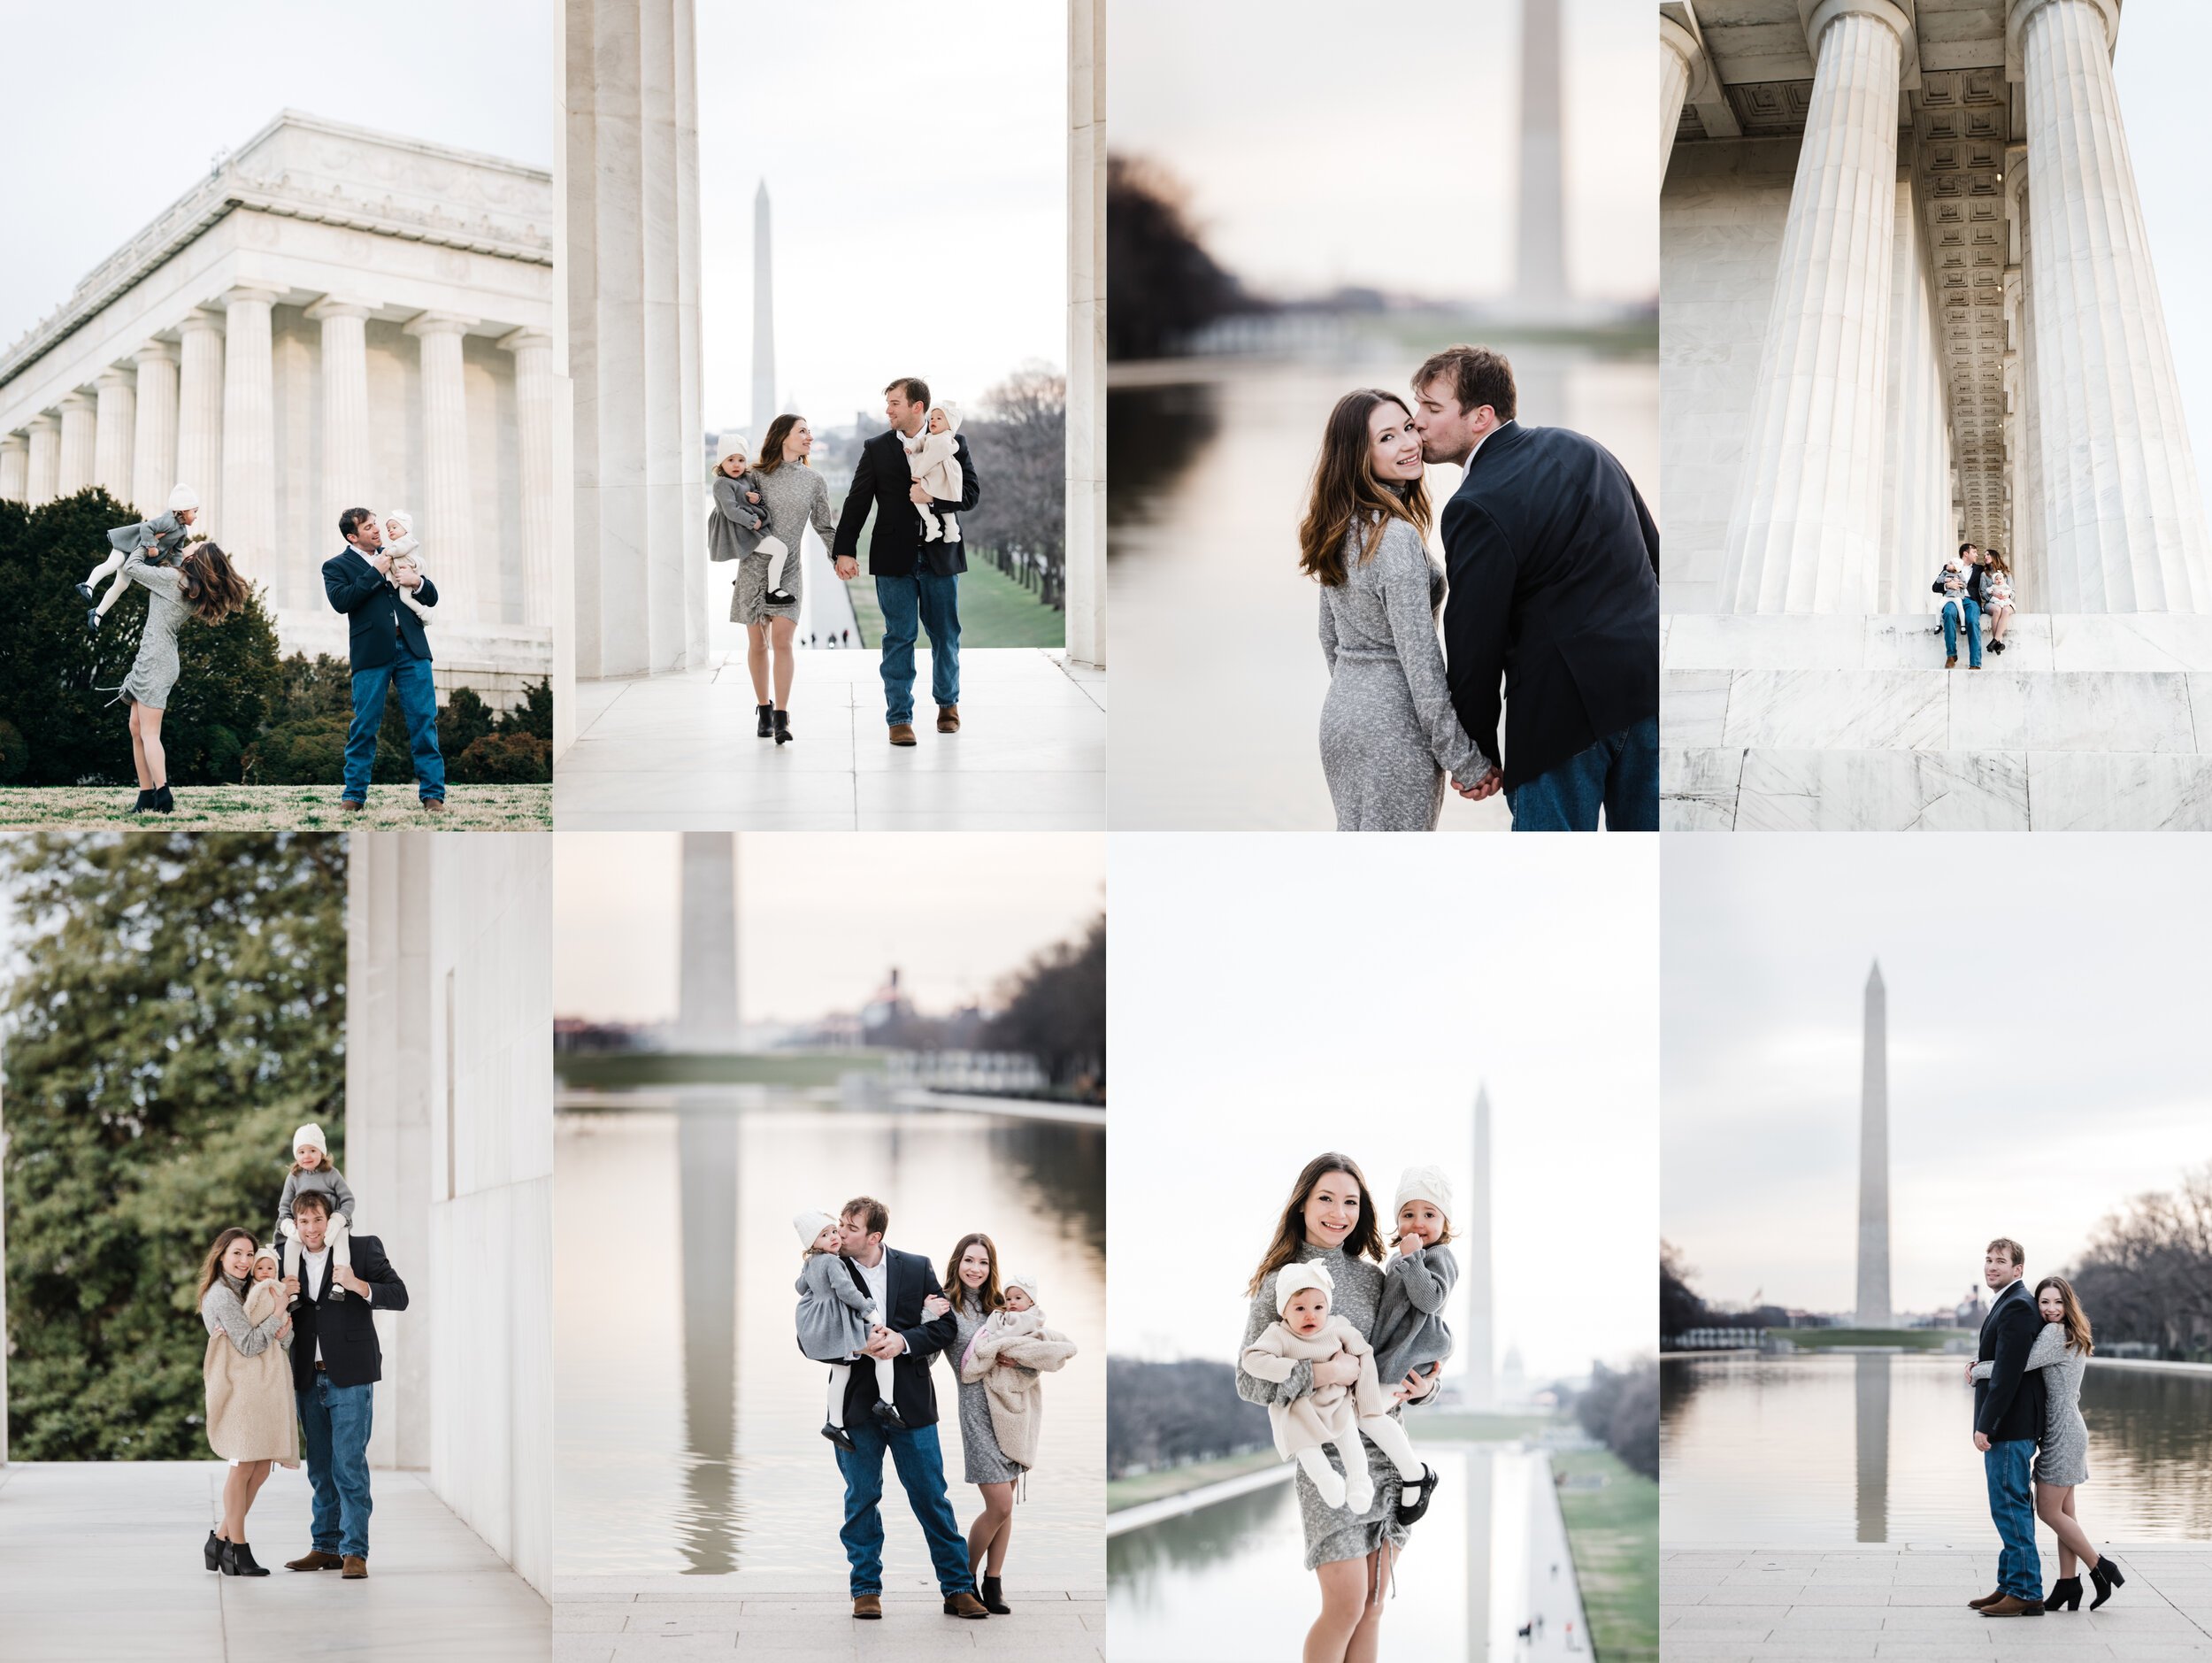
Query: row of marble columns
x=203, y=411
x=2119, y=517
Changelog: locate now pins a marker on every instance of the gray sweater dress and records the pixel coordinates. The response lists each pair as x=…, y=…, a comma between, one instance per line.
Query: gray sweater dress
x=794, y=496
x=2062, y=1457
x=1389, y=734
x=834, y=1310
x=1331, y=1533
x=154, y=671
x=1409, y=1329
x=985, y=1464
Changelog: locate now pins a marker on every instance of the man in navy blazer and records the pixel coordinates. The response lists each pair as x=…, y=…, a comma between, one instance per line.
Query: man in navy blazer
x=2007, y=1421
x=1553, y=609
x=390, y=650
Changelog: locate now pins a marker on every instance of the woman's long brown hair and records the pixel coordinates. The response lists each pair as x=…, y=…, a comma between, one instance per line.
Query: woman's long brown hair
x=2072, y=1317
x=1996, y=557
x=772, y=447
x=1347, y=488
x=1364, y=1242
x=212, y=587
x=956, y=1291
x=213, y=1268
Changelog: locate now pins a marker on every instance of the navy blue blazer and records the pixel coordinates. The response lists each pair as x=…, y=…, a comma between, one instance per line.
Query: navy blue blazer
x=896, y=546
x=384, y=631
x=2009, y=1405
x=346, y=1327
x=908, y=1282
x=1554, y=562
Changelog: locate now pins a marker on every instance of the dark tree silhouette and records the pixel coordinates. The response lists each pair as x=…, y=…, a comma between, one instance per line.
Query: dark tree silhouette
x=1165, y=284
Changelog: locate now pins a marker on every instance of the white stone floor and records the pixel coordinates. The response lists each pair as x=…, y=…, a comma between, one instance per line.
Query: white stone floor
x=1755, y=1605
x=100, y=1563
x=679, y=752
x=609, y=1619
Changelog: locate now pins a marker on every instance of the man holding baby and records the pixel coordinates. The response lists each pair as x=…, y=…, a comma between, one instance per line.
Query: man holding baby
x=390, y=651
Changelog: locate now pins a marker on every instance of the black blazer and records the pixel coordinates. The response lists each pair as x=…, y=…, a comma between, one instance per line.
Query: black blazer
x=2008, y=1405
x=383, y=630
x=912, y=1392
x=883, y=479
x=347, y=1328
x=1554, y=562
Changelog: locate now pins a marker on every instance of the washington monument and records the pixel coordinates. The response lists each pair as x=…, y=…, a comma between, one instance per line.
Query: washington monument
x=763, y=318
x=706, y=964
x=1874, y=1311
x=1540, y=279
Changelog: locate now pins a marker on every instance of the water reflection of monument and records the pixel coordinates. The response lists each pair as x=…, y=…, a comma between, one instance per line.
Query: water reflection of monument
x=1870, y=1388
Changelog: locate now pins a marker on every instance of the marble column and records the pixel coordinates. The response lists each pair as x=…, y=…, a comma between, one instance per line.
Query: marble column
x=447, y=509
x=1916, y=467
x=117, y=423
x=43, y=464
x=2126, y=527
x=1086, y=528
x=346, y=472
x=2030, y=507
x=249, y=530
x=1873, y=1301
x=1678, y=52
x=631, y=168
x=538, y=438
x=154, y=445
x=80, y=424
x=15, y=467
x=200, y=417
x=1806, y=535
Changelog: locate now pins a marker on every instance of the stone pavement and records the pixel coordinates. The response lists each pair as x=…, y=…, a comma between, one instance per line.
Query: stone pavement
x=1751, y=1606
x=648, y=1619
x=100, y=1563
x=679, y=753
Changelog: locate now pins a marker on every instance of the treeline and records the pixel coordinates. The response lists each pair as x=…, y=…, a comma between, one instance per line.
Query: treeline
x=1017, y=432
x=1165, y=1414
x=1054, y=1009
x=1620, y=1408
x=1166, y=286
x=1681, y=1307
x=2147, y=1274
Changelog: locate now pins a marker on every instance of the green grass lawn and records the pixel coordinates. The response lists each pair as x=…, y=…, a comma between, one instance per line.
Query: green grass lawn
x=1613, y=1533
x=1173, y=1480
x=622, y=1069
x=278, y=808
x=1910, y=1339
x=994, y=612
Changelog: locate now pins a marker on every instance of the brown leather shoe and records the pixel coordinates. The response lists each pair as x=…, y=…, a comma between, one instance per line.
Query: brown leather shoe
x=356, y=1568
x=964, y=1606
x=2012, y=1606
x=867, y=1605
x=902, y=733
x=1986, y=1600
x=315, y=1559
x=434, y=804
x=1951, y=663
x=948, y=719
x=351, y=806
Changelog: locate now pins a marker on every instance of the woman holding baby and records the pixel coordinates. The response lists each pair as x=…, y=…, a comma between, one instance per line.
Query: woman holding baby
x=762, y=509
x=249, y=1381
x=1321, y=1304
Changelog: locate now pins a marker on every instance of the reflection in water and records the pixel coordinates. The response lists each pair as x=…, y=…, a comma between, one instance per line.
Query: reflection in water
x=1751, y=1451
x=706, y=1157
x=1154, y=434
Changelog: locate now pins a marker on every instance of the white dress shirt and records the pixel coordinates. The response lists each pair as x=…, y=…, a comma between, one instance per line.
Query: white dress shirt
x=312, y=1279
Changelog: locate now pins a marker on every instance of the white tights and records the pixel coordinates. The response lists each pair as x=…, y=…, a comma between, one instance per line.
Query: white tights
x=339, y=1239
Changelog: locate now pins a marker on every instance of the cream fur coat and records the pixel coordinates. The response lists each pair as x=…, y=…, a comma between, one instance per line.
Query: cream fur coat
x=1015, y=1395
x=250, y=1415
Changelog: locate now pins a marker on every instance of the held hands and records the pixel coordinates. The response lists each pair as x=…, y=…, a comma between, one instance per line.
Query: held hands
x=847, y=568
x=883, y=1345
x=291, y=1287
x=382, y=562
x=1487, y=786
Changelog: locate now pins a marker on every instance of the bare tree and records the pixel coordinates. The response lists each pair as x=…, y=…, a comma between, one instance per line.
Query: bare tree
x=1018, y=434
x=2147, y=1275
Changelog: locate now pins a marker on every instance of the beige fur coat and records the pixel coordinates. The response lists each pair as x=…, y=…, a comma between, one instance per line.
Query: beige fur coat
x=1015, y=1395
x=250, y=1415
x=1327, y=1415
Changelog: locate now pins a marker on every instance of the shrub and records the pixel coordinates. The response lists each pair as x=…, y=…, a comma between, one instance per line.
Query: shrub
x=15, y=755
x=504, y=759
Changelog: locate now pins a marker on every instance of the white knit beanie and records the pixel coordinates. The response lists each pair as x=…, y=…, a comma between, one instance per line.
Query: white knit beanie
x=952, y=415
x=1291, y=1278
x=1028, y=1283
x=271, y=1254
x=1425, y=1184
x=406, y=521
x=309, y=1136
x=181, y=497
x=731, y=444
x=811, y=1224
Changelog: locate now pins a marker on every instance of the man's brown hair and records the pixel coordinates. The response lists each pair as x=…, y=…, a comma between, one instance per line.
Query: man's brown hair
x=875, y=1218
x=2011, y=1249
x=913, y=388
x=1478, y=377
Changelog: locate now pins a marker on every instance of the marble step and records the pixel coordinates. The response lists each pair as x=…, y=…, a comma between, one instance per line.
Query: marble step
x=1908, y=641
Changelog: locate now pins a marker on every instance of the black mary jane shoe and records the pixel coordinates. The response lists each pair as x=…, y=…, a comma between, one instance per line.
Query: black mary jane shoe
x=85, y=594
x=2066, y=1595
x=993, y=1600
x=762, y=725
x=2107, y=1576
x=839, y=1437
x=92, y=621
x=783, y=727
x=1410, y=1513
x=888, y=1415
x=162, y=802
x=213, y=1553
x=238, y=1561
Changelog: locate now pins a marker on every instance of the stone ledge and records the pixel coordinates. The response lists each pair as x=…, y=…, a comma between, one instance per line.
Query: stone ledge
x=1840, y=641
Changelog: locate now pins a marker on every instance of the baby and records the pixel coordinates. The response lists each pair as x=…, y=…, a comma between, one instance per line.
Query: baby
x=1410, y=1329
x=1020, y=1313
x=1953, y=582
x=400, y=542
x=836, y=1316
x=160, y=540
x=311, y=1170
x=933, y=458
x=1327, y=1415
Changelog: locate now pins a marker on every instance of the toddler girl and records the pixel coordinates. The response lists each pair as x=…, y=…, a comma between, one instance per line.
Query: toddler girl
x=400, y=542
x=933, y=459
x=311, y=1170
x=1410, y=1329
x=739, y=516
x=835, y=1314
x=161, y=539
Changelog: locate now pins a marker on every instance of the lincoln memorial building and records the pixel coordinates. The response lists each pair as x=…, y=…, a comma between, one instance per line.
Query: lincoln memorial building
x=1907, y=300
x=330, y=317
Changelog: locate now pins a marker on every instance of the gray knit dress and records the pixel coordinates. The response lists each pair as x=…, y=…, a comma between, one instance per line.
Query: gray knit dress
x=1331, y=1533
x=793, y=494
x=978, y=1439
x=154, y=671
x=2062, y=1457
x=1389, y=734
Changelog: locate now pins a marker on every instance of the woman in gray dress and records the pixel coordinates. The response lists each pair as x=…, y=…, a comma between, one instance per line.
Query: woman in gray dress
x=201, y=585
x=795, y=497
x=1330, y=1220
x=2062, y=1352
x=971, y=1280
x=1389, y=736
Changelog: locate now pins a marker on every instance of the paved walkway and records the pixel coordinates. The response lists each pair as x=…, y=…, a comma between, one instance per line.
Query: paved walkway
x=1735, y=1605
x=642, y=1620
x=100, y=1563
x=679, y=752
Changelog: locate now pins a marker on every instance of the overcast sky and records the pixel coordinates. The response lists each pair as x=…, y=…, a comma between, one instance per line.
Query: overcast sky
x=915, y=156
x=151, y=90
x=1382, y=147
x=2047, y=1000
x=1273, y=998
x=820, y=919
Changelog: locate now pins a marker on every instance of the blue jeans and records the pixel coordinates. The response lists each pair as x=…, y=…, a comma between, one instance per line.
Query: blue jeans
x=921, y=1469
x=336, y=1422
x=419, y=703
x=2012, y=1505
x=1619, y=773
x=1973, y=631
x=932, y=603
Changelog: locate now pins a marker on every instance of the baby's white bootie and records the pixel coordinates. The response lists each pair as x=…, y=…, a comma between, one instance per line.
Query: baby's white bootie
x=1359, y=1491
x=1329, y=1482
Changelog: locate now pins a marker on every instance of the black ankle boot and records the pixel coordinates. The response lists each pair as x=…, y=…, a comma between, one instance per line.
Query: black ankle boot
x=145, y=802
x=238, y=1561
x=993, y=1601
x=162, y=802
x=783, y=727
x=763, y=729
x=2066, y=1595
x=213, y=1553
x=2107, y=1576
